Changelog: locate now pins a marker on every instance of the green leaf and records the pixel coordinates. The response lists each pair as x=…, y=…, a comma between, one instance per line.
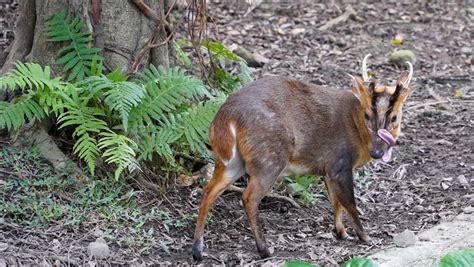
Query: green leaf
x=219, y=49
x=360, y=262
x=295, y=188
x=459, y=258
x=299, y=263
x=77, y=56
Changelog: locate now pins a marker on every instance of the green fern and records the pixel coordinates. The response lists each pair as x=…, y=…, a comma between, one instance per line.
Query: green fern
x=167, y=91
x=77, y=57
x=14, y=115
x=194, y=124
x=157, y=140
x=117, y=96
x=119, y=150
x=85, y=119
x=30, y=77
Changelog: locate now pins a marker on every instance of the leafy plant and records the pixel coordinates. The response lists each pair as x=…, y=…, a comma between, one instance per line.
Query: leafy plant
x=300, y=186
x=226, y=81
x=360, y=262
x=458, y=258
x=78, y=55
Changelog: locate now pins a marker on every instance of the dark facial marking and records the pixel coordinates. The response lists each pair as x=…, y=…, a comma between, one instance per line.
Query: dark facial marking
x=375, y=95
x=395, y=95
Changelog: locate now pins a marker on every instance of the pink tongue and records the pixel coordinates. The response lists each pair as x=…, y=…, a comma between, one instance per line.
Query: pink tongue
x=387, y=155
x=386, y=137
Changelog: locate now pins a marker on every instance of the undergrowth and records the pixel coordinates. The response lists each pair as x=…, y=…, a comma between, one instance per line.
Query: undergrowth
x=34, y=195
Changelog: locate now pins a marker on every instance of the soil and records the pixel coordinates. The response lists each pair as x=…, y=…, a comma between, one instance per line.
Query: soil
x=430, y=177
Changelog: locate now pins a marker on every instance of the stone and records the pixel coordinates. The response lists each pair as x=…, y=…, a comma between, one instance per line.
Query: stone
x=466, y=50
x=462, y=179
x=405, y=239
x=400, y=57
x=468, y=210
x=418, y=208
x=98, y=249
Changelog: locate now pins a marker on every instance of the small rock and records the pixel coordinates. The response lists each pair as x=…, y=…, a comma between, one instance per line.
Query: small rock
x=462, y=179
x=3, y=262
x=401, y=56
x=98, y=249
x=418, y=208
x=468, y=210
x=466, y=50
x=405, y=239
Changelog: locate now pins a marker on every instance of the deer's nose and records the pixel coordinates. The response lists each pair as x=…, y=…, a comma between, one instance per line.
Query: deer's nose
x=376, y=154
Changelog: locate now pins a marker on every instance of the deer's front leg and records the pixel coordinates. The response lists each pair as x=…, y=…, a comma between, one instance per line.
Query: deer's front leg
x=340, y=183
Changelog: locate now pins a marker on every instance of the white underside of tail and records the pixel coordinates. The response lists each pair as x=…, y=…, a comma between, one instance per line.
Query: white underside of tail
x=234, y=167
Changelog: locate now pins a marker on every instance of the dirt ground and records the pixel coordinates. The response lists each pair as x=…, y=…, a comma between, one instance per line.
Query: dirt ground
x=430, y=178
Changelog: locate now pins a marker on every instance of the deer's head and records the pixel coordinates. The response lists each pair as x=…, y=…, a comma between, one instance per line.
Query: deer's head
x=382, y=106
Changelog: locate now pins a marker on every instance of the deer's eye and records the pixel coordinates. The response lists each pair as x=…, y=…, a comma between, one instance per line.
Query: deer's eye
x=394, y=118
x=366, y=116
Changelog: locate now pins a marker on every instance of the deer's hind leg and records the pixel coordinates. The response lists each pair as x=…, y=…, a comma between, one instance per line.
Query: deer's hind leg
x=260, y=183
x=225, y=174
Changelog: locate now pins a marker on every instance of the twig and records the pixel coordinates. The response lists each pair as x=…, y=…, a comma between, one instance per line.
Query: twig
x=160, y=22
x=349, y=12
x=390, y=22
x=427, y=104
x=272, y=195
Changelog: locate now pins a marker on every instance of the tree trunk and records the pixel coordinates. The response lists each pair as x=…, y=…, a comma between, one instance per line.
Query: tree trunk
x=127, y=36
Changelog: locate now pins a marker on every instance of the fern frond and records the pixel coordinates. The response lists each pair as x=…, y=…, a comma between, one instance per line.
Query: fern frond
x=86, y=148
x=157, y=140
x=77, y=57
x=118, y=96
x=167, y=90
x=31, y=77
x=15, y=115
x=86, y=121
x=119, y=150
x=194, y=124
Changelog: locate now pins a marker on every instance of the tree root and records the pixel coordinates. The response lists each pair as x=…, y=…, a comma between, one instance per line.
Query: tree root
x=36, y=133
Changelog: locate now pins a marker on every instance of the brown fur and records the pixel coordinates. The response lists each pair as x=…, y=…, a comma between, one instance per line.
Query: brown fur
x=283, y=125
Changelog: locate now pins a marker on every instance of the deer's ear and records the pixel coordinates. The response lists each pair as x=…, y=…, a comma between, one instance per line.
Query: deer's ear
x=360, y=91
x=404, y=80
x=402, y=90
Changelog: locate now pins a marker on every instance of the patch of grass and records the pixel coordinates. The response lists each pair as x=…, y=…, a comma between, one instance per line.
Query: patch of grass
x=34, y=195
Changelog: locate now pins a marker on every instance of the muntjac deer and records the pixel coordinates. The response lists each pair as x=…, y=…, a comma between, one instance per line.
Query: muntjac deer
x=277, y=127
